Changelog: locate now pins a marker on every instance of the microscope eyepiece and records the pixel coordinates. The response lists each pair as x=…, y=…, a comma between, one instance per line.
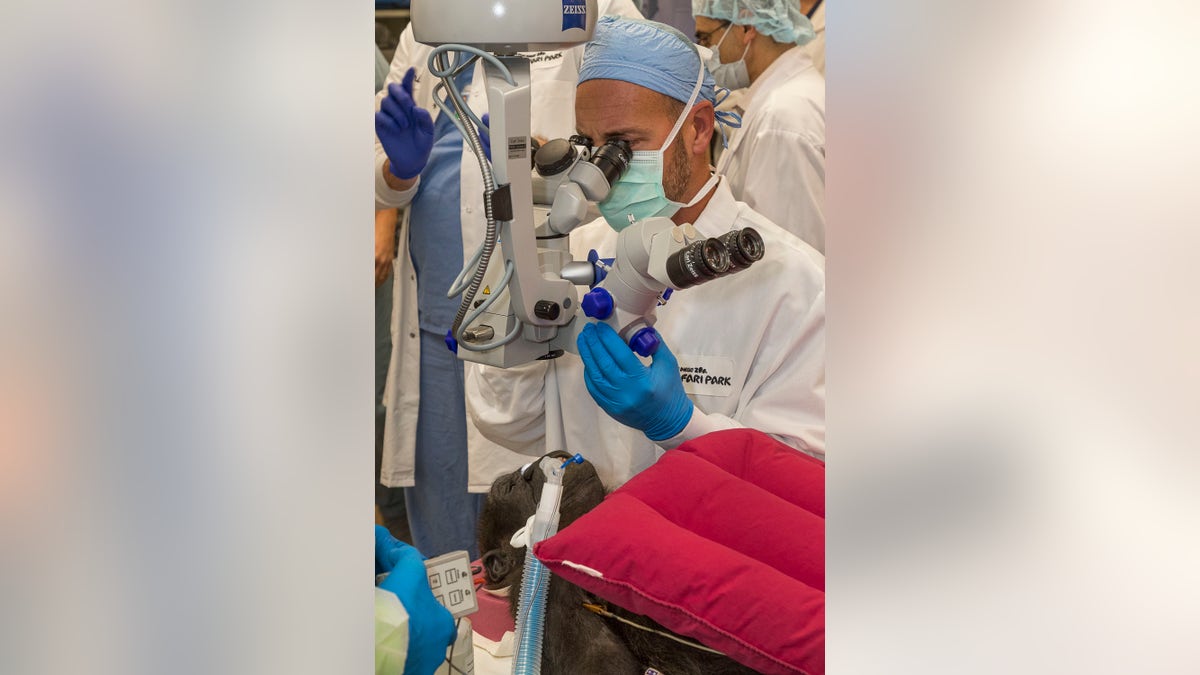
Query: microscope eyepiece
x=612, y=159
x=745, y=246
x=708, y=259
x=698, y=262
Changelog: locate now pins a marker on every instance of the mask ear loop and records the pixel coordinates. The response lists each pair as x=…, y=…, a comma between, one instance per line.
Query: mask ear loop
x=679, y=125
x=686, y=109
x=744, y=52
x=716, y=49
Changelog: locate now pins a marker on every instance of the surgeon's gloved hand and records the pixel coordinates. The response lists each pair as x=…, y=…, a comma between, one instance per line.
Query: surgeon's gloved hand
x=430, y=626
x=404, y=129
x=650, y=399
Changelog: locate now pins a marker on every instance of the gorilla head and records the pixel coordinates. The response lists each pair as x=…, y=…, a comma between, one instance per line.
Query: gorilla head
x=513, y=498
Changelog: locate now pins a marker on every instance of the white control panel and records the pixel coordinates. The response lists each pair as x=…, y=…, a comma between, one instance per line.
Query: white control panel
x=451, y=582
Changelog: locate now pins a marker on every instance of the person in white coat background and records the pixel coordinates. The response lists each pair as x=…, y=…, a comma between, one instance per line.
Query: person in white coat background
x=758, y=335
x=815, y=11
x=421, y=163
x=776, y=162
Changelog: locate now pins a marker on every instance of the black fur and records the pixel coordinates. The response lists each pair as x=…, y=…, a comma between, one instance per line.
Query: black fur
x=578, y=642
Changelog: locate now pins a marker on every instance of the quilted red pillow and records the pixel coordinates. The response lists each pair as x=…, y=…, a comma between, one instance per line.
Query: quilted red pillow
x=721, y=540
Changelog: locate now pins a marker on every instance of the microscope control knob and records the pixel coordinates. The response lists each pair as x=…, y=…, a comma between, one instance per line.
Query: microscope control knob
x=546, y=309
x=597, y=304
x=644, y=342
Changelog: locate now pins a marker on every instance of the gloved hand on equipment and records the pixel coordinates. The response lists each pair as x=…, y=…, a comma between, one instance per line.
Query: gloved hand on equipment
x=650, y=399
x=430, y=626
x=388, y=550
x=404, y=129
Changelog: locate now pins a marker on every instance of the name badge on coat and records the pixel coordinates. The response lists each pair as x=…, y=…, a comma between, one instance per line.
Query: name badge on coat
x=706, y=375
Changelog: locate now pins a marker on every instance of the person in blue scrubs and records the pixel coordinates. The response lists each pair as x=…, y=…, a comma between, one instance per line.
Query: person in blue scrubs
x=441, y=513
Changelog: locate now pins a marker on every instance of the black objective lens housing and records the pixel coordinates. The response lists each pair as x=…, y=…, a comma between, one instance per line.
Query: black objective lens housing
x=554, y=157
x=745, y=248
x=698, y=262
x=612, y=159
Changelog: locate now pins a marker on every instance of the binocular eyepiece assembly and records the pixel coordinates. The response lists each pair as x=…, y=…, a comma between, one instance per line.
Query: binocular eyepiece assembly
x=558, y=155
x=715, y=257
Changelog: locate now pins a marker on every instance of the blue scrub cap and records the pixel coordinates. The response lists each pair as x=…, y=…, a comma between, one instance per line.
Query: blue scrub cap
x=648, y=54
x=780, y=20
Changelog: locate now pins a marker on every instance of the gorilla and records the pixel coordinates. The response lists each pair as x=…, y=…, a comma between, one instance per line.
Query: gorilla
x=578, y=641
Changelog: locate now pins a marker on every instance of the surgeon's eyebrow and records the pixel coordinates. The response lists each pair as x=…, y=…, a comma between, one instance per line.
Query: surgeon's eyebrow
x=631, y=135
x=626, y=134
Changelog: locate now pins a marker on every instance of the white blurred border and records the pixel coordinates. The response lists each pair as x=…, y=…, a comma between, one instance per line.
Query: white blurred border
x=1013, y=338
x=185, y=277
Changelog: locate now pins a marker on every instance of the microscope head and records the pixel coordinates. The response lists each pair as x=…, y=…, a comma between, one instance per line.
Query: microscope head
x=504, y=26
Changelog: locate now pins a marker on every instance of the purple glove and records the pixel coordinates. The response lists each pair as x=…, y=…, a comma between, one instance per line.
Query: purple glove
x=404, y=129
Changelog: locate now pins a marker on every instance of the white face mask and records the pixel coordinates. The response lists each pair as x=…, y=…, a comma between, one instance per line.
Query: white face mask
x=729, y=75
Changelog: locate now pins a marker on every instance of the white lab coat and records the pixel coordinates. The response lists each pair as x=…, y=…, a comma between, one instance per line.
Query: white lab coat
x=776, y=162
x=763, y=328
x=553, y=77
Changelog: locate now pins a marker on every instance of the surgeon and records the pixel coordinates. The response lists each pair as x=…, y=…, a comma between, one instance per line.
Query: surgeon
x=747, y=350
x=776, y=163
x=430, y=626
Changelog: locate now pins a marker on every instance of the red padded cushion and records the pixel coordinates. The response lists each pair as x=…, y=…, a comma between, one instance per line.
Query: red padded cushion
x=721, y=540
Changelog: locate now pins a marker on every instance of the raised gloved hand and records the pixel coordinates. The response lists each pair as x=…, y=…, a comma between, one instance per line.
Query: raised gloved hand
x=650, y=399
x=430, y=626
x=404, y=129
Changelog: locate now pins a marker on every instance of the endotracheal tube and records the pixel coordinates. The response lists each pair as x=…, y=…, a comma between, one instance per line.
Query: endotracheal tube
x=531, y=608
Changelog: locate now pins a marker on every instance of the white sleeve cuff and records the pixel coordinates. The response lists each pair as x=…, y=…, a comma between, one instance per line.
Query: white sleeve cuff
x=700, y=424
x=386, y=197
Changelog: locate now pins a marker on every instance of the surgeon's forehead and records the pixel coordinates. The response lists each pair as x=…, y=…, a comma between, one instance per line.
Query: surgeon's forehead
x=613, y=109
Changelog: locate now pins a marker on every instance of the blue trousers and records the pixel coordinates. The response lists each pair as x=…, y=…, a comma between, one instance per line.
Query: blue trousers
x=441, y=513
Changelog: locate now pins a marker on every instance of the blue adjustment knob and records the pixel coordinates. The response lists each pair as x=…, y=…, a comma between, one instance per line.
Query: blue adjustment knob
x=451, y=343
x=644, y=342
x=597, y=304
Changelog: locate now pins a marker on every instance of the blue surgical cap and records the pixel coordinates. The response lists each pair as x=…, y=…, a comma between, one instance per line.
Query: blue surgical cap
x=780, y=20
x=648, y=54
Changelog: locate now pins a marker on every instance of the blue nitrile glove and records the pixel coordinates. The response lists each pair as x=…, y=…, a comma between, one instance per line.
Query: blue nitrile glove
x=430, y=626
x=485, y=136
x=387, y=550
x=404, y=130
x=650, y=399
